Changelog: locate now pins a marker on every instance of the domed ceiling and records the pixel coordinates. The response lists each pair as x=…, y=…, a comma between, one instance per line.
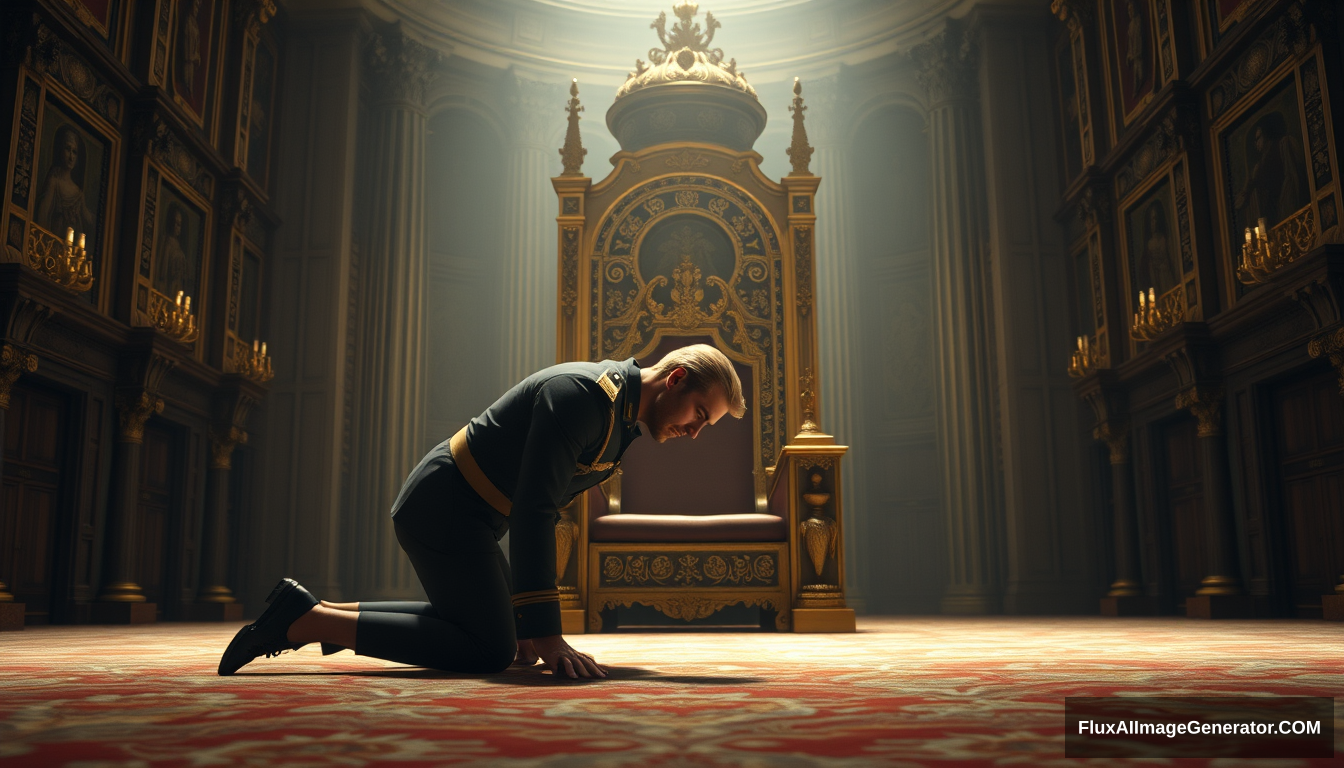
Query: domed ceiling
x=599, y=40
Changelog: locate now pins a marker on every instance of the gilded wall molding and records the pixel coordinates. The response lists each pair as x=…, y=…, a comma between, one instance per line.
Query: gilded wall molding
x=1116, y=436
x=50, y=55
x=1206, y=405
x=154, y=138
x=14, y=362
x=1290, y=35
x=133, y=410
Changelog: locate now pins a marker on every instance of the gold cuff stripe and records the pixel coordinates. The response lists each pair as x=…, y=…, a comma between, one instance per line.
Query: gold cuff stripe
x=466, y=464
x=532, y=600
x=538, y=593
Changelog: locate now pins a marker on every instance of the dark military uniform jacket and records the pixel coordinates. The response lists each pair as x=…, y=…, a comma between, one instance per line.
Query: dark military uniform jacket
x=554, y=435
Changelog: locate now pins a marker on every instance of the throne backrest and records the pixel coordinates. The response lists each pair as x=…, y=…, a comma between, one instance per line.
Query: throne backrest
x=710, y=475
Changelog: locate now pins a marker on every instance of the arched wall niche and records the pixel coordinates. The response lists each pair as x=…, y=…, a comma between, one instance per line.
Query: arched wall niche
x=464, y=211
x=890, y=177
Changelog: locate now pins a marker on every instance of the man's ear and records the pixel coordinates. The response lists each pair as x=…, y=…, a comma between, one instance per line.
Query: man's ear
x=675, y=376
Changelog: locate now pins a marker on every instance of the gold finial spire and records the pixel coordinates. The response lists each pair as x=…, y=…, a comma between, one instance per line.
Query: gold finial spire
x=686, y=55
x=800, y=152
x=571, y=155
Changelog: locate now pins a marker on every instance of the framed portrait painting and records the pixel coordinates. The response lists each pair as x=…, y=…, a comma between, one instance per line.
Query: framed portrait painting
x=191, y=66
x=72, y=184
x=179, y=245
x=1134, y=57
x=1265, y=163
x=260, y=113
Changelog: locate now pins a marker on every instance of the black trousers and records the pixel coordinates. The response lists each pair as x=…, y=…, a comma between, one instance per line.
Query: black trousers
x=467, y=625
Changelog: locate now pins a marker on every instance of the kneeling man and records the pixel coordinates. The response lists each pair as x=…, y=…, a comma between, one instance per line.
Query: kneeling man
x=556, y=434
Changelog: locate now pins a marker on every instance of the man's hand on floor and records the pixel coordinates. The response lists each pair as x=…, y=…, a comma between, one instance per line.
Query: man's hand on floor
x=561, y=659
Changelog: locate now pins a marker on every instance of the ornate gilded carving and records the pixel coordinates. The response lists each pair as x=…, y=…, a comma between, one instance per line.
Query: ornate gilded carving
x=685, y=55
x=1264, y=253
x=14, y=362
x=572, y=153
x=222, y=445
x=688, y=607
x=402, y=66
x=799, y=151
x=802, y=260
x=154, y=138
x=569, y=270
x=1116, y=436
x=808, y=399
x=25, y=144
x=1206, y=405
x=1290, y=35
x=252, y=15
x=690, y=569
x=51, y=56
x=808, y=462
x=687, y=161
x=134, y=410
x=947, y=64
x=819, y=531
x=1330, y=345
x=1178, y=131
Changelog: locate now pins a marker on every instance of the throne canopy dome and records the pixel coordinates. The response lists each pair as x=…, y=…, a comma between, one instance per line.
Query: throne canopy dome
x=687, y=92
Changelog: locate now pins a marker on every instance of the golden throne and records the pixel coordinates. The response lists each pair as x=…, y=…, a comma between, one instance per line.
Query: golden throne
x=687, y=241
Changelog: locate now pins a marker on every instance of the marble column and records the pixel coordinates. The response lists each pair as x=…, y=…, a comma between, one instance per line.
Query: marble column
x=1220, y=594
x=121, y=600
x=390, y=403
x=1127, y=583
x=529, y=230
x=964, y=373
x=214, y=599
x=830, y=116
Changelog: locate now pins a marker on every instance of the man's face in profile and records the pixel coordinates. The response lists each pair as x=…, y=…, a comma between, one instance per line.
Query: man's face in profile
x=679, y=410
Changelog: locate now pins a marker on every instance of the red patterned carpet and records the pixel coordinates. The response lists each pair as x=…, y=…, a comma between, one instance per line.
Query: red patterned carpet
x=901, y=692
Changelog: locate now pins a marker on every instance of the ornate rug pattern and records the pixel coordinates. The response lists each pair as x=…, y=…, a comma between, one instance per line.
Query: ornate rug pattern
x=900, y=692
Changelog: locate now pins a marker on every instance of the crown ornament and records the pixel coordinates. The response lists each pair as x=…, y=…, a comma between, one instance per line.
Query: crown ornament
x=686, y=55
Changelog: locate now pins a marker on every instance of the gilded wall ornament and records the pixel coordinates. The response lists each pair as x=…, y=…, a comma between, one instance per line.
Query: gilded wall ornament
x=1206, y=405
x=14, y=362
x=134, y=410
x=1116, y=436
x=1330, y=345
x=402, y=66
x=948, y=64
x=222, y=445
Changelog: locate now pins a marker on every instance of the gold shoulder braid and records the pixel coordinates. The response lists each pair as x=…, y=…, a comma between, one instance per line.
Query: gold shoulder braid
x=612, y=389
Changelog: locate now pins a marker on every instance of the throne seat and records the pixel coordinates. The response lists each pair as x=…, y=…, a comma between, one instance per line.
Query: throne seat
x=688, y=528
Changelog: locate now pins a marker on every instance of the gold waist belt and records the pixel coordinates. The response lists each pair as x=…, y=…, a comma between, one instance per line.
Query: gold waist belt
x=466, y=464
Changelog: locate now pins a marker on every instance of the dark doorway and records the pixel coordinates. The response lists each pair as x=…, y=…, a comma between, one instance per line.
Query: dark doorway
x=158, y=494
x=1310, y=420
x=35, y=434
x=1184, y=491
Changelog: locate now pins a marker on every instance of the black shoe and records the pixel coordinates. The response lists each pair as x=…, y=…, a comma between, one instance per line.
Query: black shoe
x=267, y=636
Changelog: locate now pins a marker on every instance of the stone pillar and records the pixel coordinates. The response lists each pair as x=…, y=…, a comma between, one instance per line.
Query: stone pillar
x=831, y=117
x=121, y=601
x=1125, y=597
x=964, y=373
x=390, y=403
x=14, y=361
x=1220, y=594
x=529, y=235
x=214, y=600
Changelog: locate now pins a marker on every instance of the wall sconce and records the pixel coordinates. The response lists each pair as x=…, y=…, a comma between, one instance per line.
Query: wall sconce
x=257, y=364
x=175, y=320
x=1086, y=359
x=1259, y=256
x=1155, y=318
x=64, y=262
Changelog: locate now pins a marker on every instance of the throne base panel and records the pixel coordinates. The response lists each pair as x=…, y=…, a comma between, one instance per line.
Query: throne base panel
x=823, y=620
x=572, y=621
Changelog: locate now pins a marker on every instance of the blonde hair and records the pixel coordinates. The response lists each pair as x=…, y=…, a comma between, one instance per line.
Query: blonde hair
x=705, y=367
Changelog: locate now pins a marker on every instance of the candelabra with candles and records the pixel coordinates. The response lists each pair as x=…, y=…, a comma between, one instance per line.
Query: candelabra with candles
x=1086, y=359
x=1259, y=256
x=175, y=320
x=1157, y=316
x=66, y=263
x=256, y=365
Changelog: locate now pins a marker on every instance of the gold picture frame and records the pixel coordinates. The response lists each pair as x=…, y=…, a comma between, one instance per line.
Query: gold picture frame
x=1157, y=241
x=173, y=248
